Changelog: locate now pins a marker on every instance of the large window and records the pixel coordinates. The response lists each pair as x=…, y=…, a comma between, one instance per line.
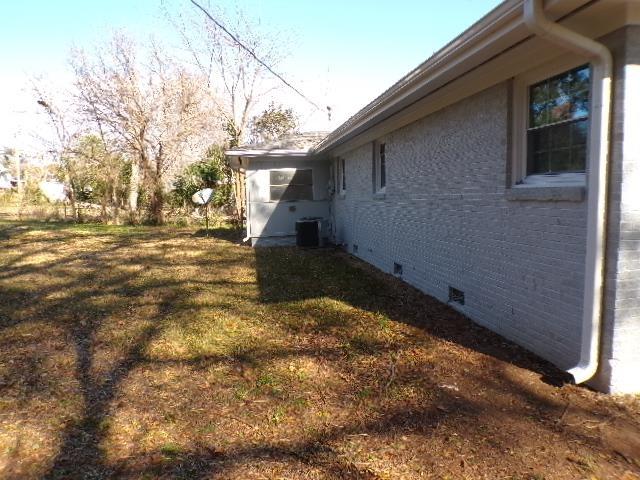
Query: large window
x=558, y=123
x=290, y=185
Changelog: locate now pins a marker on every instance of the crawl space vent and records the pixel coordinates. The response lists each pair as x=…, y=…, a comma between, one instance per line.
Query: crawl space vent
x=397, y=269
x=456, y=296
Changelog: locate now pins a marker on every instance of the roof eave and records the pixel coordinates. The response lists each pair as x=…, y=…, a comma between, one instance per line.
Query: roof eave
x=268, y=153
x=468, y=50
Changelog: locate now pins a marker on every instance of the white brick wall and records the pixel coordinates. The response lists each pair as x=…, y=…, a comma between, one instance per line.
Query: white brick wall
x=620, y=364
x=445, y=218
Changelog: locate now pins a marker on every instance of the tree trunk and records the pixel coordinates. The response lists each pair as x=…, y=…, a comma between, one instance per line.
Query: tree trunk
x=157, y=203
x=71, y=195
x=113, y=200
x=104, y=209
x=157, y=195
x=134, y=187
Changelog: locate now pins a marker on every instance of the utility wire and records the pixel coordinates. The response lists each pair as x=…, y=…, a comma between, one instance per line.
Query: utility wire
x=253, y=54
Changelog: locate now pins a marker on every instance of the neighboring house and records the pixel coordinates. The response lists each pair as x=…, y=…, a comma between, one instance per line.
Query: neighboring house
x=7, y=181
x=502, y=176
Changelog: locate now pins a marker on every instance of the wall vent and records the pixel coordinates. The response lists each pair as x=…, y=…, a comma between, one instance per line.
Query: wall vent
x=456, y=296
x=397, y=269
x=355, y=248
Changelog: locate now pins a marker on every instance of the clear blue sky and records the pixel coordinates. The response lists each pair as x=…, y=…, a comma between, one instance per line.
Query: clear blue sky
x=343, y=52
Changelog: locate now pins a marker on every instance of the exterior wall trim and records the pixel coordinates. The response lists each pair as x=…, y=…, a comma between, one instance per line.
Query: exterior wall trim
x=546, y=194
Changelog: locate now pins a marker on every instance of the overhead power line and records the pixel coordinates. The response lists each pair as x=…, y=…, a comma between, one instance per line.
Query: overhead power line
x=253, y=54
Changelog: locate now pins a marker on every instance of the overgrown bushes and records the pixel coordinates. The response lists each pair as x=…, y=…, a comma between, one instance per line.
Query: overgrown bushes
x=212, y=172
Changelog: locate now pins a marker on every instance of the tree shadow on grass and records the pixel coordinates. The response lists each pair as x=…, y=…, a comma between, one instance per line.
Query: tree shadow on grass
x=289, y=282
x=88, y=276
x=84, y=440
x=227, y=234
x=290, y=275
x=292, y=278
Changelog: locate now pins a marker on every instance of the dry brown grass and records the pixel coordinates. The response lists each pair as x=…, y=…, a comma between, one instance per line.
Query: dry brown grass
x=153, y=353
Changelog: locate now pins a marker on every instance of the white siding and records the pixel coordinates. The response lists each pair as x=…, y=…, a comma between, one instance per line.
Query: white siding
x=274, y=222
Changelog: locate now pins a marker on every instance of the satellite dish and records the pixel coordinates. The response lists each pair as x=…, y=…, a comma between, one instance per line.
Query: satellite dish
x=202, y=197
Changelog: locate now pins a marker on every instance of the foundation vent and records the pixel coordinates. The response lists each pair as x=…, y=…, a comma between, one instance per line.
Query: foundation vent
x=456, y=296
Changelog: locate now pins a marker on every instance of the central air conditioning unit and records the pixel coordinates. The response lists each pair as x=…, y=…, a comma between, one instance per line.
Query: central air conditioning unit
x=309, y=232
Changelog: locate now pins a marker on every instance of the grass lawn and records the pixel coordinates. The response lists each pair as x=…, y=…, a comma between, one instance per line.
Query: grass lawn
x=153, y=353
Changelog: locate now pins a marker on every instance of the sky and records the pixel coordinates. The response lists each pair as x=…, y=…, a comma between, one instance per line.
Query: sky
x=339, y=53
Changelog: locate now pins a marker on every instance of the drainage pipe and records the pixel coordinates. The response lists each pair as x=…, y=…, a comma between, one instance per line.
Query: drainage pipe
x=597, y=176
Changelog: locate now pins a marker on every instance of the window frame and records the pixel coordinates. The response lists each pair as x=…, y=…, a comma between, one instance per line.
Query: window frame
x=520, y=125
x=379, y=161
x=294, y=170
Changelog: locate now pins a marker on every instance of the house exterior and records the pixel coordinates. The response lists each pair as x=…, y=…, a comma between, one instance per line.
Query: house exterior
x=283, y=182
x=6, y=179
x=502, y=176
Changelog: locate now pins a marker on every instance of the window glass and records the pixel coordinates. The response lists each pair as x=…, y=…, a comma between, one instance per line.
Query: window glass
x=295, y=177
x=558, y=123
x=291, y=192
x=289, y=185
x=383, y=166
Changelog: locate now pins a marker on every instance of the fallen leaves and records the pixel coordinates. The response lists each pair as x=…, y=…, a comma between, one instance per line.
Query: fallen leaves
x=151, y=353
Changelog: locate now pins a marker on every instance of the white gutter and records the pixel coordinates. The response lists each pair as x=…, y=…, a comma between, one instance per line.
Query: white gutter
x=602, y=62
x=267, y=153
x=490, y=36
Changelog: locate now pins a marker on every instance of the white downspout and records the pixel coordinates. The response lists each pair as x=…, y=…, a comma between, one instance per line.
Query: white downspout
x=602, y=62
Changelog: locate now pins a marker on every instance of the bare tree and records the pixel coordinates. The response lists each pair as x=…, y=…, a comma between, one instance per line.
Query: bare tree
x=151, y=110
x=101, y=175
x=109, y=95
x=238, y=81
x=61, y=146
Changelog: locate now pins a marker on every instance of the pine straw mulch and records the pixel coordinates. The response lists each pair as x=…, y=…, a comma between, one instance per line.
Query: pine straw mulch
x=152, y=353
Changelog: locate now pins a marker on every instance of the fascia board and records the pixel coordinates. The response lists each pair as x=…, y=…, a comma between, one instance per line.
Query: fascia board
x=268, y=153
x=501, y=28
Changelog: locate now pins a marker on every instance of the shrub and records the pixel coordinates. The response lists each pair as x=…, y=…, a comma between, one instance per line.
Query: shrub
x=208, y=173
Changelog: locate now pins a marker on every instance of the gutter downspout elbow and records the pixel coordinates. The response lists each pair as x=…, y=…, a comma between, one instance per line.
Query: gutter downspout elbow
x=597, y=177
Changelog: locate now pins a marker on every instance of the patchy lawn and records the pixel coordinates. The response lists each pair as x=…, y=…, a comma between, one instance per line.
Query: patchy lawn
x=153, y=353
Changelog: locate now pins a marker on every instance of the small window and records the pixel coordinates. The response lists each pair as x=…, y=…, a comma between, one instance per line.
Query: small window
x=558, y=123
x=291, y=185
x=342, y=176
x=380, y=167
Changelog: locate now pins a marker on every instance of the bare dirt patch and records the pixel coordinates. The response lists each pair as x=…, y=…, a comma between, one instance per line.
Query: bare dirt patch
x=154, y=353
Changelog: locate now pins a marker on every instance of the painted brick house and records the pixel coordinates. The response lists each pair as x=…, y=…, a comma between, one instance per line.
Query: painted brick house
x=501, y=176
